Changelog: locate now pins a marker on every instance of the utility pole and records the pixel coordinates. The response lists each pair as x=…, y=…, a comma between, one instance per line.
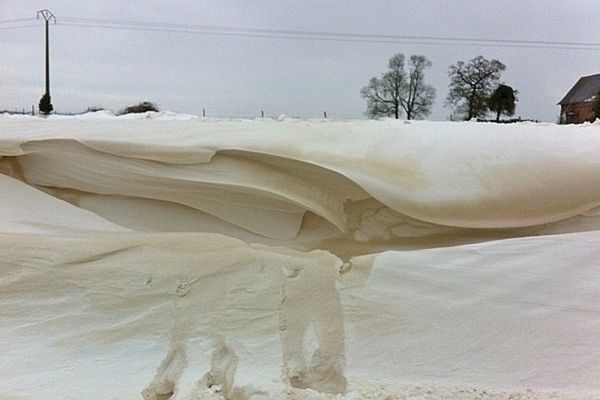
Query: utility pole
x=45, y=103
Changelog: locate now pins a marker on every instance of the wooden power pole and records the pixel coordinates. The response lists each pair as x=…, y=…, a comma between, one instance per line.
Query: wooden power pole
x=47, y=15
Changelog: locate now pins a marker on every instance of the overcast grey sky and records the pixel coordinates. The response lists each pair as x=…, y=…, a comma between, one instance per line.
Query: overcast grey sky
x=239, y=76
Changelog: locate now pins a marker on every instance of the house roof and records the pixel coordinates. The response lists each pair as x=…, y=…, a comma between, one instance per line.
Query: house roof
x=584, y=90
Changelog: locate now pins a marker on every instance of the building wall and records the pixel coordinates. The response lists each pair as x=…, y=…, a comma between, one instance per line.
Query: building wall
x=576, y=113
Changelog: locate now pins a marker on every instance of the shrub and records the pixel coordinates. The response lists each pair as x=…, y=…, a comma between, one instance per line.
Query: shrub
x=45, y=105
x=139, y=108
x=94, y=108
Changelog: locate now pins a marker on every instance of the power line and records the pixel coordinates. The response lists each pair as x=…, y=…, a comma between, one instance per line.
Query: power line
x=330, y=39
x=321, y=35
x=8, y=28
x=307, y=35
x=12, y=21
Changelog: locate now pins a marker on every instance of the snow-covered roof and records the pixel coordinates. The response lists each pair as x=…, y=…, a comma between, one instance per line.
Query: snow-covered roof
x=584, y=90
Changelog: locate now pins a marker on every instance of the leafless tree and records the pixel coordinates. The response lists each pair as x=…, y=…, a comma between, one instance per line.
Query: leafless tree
x=419, y=96
x=384, y=95
x=398, y=91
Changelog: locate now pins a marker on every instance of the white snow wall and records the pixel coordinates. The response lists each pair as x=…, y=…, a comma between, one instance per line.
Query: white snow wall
x=202, y=258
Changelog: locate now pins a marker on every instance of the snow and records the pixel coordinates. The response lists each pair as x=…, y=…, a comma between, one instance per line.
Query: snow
x=166, y=256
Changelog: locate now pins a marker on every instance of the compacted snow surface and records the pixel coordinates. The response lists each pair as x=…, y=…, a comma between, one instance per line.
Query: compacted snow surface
x=164, y=256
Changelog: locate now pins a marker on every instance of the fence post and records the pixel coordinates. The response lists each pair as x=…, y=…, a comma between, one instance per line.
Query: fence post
x=203, y=113
x=325, y=114
x=262, y=114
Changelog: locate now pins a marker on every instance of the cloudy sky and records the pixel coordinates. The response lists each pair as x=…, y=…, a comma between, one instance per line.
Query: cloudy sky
x=238, y=76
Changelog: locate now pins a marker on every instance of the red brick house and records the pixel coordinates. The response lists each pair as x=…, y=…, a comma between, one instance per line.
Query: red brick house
x=576, y=106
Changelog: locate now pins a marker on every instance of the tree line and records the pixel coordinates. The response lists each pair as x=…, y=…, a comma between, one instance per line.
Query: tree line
x=475, y=89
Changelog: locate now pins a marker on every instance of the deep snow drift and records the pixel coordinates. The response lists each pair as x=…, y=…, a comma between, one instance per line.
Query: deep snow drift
x=166, y=256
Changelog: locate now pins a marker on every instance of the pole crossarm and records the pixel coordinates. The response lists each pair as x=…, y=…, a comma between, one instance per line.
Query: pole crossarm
x=46, y=14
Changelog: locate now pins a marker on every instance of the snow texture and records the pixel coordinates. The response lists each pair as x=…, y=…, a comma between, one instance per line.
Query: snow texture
x=164, y=256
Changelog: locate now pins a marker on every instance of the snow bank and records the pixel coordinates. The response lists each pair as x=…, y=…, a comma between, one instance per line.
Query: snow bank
x=188, y=258
x=372, y=180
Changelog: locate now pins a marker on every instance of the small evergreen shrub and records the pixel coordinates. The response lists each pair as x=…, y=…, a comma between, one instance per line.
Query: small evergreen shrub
x=45, y=104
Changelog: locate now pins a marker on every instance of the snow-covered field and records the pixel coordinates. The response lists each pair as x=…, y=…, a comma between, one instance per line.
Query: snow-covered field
x=163, y=256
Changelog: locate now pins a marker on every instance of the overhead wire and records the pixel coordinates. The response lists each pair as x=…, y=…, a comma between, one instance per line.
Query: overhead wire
x=307, y=35
x=17, y=23
x=321, y=35
x=331, y=39
x=17, y=20
x=6, y=28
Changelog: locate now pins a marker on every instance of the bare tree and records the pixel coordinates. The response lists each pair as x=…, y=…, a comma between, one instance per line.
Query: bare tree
x=419, y=96
x=396, y=91
x=471, y=85
x=384, y=95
